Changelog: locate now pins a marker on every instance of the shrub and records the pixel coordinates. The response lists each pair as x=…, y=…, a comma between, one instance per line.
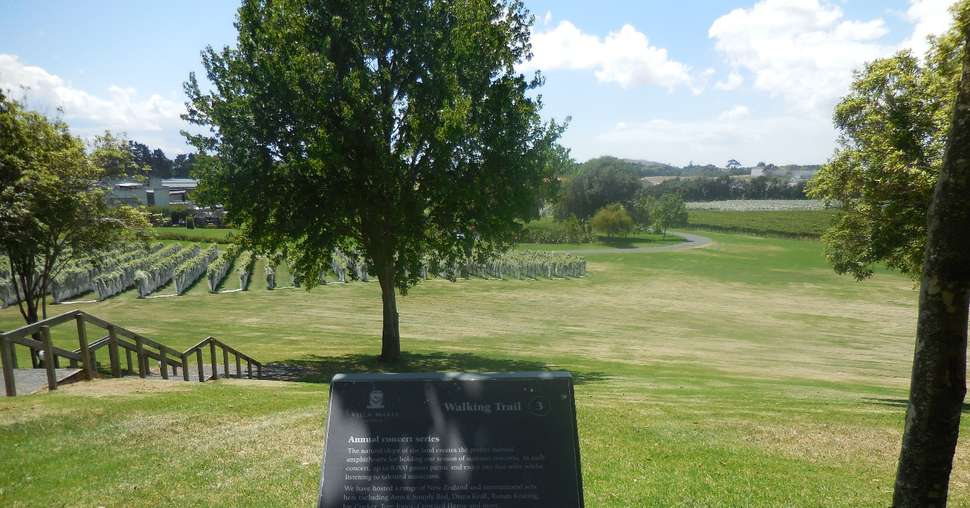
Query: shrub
x=549, y=230
x=612, y=220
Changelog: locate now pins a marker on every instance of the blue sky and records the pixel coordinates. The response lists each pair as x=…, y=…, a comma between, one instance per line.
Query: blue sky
x=700, y=81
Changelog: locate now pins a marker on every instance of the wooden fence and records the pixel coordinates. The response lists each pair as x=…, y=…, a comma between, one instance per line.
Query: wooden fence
x=138, y=351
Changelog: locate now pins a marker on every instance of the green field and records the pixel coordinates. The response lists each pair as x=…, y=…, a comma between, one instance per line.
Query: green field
x=745, y=373
x=195, y=234
x=785, y=223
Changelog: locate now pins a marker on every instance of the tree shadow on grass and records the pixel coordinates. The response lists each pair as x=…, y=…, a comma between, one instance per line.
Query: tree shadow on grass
x=321, y=369
x=902, y=403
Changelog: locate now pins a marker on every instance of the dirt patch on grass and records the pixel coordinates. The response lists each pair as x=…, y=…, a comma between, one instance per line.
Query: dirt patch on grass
x=124, y=387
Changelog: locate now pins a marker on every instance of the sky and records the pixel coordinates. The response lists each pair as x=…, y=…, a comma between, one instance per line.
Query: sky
x=700, y=81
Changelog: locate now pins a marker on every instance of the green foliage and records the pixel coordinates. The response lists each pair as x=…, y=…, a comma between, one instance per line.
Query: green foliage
x=51, y=209
x=391, y=128
x=218, y=268
x=724, y=187
x=893, y=124
x=189, y=270
x=595, y=187
x=549, y=230
x=612, y=220
x=245, y=265
x=668, y=211
x=114, y=155
x=787, y=223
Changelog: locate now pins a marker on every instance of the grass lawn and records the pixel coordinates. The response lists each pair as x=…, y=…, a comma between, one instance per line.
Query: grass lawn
x=787, y=223
x=630, y=241
x=195, y=234
x=741, y=374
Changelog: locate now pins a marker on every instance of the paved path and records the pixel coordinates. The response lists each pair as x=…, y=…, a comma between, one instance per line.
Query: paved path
x=34, y=380
x=691, y=242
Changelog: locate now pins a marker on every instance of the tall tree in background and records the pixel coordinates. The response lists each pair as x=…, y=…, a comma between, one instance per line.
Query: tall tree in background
x=394, y=129
x=597, y=186
x=116, y=157
x=938, y=384
x=51, y=209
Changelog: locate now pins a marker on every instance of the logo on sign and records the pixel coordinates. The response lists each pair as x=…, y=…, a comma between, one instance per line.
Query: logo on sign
x=375, y=400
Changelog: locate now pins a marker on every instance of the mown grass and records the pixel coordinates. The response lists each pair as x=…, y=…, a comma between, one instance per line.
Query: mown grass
x=193, y=235
x=786, y=223
x=741, y=374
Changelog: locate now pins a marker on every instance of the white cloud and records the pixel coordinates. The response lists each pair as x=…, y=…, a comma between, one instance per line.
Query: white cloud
x=624, y=57
x=929, y=17
x=733, y=134
x=802, y=50
x=733, y=82
x=154, y=120
x=735, y=113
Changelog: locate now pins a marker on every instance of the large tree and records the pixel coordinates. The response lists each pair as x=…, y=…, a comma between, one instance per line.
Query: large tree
x=393, y=129
x=600, y=182
x=938, y=384
x=51, y=208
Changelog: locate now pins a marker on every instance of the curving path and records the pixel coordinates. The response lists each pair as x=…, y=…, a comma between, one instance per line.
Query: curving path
x=691, y=241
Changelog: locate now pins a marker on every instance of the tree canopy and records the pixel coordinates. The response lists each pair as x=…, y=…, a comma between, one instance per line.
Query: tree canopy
x=612, y=220
x=51, y=209
x=894, y=124
x=596, y=187
x=396, y=130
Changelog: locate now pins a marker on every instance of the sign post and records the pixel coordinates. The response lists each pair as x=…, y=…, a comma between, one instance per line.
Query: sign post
x=451, y=440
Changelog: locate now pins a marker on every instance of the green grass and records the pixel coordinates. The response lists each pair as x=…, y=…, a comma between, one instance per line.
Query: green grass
x=195, y=235
x=630, y=241
x=741, y=374
x=787, y=223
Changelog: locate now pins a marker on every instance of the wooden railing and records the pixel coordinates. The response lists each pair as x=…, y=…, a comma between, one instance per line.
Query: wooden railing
x=37, y=337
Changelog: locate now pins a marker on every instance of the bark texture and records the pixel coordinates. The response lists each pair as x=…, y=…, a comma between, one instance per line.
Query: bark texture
x=938, y=383
x=391, y=336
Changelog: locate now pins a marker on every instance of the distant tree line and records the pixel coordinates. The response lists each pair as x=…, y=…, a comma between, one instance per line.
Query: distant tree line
x=124, y=158
x=724, y=187
x=158, y=164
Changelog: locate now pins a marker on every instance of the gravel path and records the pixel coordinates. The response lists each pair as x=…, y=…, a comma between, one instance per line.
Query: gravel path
x=691, y=242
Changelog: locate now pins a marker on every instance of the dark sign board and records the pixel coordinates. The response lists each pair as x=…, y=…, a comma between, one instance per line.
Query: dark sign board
x=451, y=441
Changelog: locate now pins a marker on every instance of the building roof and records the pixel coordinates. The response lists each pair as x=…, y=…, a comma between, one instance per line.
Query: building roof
x=180, y=183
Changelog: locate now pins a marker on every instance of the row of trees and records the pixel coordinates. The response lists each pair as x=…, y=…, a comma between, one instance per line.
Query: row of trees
x=120, y=157
x=591, y=189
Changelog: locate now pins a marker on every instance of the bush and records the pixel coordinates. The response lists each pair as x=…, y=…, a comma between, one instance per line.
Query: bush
x=570, y=230
x=612, y=220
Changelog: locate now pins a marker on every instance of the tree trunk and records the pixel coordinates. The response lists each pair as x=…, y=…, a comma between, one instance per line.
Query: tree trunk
x=391, y=336
x=938, y=384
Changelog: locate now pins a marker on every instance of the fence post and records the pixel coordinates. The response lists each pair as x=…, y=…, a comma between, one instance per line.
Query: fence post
x=259, y=371
x=185, y=366
x=162, y=362
x=249, y=368
x=238, y=367
x=6, y=357
x=225, y=361
x=45, y=332
x=82, y=340
x=113, y=352
x=215, y=366
x=198, y=360
x=142, y=359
